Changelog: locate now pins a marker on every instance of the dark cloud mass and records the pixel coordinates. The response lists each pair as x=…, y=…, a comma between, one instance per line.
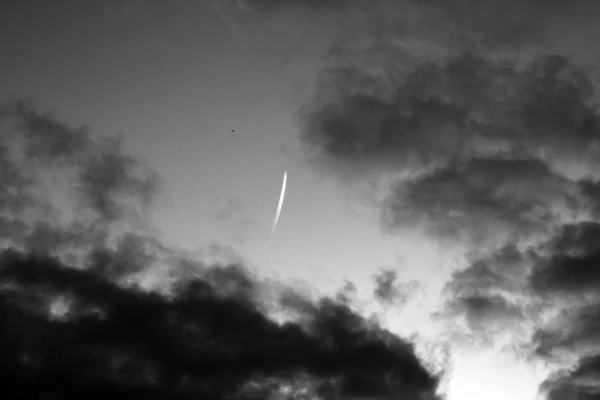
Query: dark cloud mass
x=79, y=321
x=218, y=339
x=466, y=104
x=481, y=198
x=390, y=290
x=486, y=316
x=437, y=113
x=573, y=265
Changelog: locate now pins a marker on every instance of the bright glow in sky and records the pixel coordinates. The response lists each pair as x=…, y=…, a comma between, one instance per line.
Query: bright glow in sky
x=500, y=379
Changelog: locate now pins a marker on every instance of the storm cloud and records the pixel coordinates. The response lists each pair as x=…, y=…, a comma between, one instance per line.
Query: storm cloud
x=210, y=337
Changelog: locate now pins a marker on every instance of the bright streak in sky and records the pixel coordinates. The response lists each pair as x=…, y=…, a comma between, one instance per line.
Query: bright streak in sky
x=281, y=197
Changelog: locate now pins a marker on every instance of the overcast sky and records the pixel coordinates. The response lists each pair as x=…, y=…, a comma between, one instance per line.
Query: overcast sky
x=220, y=98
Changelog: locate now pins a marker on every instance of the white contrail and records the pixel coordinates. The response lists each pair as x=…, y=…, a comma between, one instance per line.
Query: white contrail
x=280, y=202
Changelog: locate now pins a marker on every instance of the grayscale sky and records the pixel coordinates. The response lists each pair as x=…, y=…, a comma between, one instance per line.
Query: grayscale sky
x=177, y=78
x=221, y=97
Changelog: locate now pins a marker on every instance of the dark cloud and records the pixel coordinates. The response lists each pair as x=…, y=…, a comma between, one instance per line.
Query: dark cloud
x=487, y=317
x=481, y=198
x=479, y=307
x=46, y=138
x=390, y=290
x=132, y=253
x=352, y=124
x=572, y=267
x=211, y=331
x=347, y=293
x=581, y=384
x=384, y=286
x=591, y=190
x=489, y=300
x=43, y=157
x=110, y=174
x=500, y=272
x=463, y=106
x=558, y=103
x=575, y=332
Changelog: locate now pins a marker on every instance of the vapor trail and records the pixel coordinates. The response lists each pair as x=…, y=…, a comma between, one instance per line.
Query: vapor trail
x=280, y=202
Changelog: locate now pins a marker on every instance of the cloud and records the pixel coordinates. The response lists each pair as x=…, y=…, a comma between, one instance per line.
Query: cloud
x=481, y=198
x=214, y=330
x=582, y=383
x=46, y=138
x=108, y=174
x=389, y=290
x=591, y=191
x=572, y=266
x=60, y=187
x=502, y=271
x=493, y=308
x=488, y=302
x=466, y=105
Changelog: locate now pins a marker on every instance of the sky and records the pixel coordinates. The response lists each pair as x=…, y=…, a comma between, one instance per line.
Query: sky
x=209, y=104
x=455, y=143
